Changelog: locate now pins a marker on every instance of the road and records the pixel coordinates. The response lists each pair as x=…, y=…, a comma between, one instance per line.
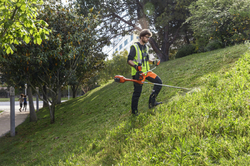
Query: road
x=6, y=105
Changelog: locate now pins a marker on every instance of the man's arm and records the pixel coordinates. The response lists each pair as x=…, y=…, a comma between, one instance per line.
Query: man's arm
x=131, y=56
x=131, y=63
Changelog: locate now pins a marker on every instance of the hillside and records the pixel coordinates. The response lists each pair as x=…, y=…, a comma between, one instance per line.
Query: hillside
x=206, y=127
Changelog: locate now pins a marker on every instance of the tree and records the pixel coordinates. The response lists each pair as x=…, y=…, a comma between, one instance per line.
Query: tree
x=18, y=22
x=14, y=74
x=33, y=117
x=116, y=66
x=86, y=70
x=224, y=20
x=53, y=62
x=163, y=17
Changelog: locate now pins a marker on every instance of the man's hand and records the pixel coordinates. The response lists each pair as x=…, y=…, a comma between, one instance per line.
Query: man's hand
x=156, y=62
x=138, y=68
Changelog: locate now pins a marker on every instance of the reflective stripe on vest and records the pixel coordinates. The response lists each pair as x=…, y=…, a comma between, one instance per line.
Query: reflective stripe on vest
x=138, y=53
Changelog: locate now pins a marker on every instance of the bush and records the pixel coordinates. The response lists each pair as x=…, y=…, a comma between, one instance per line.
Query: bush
x=172, y=54
x=201, y=43
x=185, y=50
x=227, y=21
x=3, y=93
x=213, y=45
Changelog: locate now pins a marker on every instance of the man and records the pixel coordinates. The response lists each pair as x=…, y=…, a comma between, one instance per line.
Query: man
x=138, y=59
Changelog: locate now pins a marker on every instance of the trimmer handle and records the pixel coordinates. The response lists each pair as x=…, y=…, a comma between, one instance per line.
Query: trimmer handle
x=138, y=67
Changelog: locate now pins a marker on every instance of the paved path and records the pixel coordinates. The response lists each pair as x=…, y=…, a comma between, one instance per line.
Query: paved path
x=19, y=116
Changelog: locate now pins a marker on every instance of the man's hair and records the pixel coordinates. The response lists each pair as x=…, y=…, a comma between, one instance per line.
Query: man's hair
x=145, y=32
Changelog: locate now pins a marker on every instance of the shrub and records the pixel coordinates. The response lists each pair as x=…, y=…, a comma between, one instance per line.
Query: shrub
x=172, y=54
x=227, y=21
x=213, y=45
x=185, y=50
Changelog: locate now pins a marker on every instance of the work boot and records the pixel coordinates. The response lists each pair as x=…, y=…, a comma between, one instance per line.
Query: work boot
x=135, y=113
x=158, y=103
x=152, y=103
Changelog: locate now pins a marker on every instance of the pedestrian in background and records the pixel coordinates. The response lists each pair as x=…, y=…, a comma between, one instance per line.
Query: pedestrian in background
x=24, y=102
x=21, y=102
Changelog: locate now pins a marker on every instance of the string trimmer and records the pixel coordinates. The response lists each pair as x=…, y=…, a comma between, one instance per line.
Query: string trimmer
x=121, y=79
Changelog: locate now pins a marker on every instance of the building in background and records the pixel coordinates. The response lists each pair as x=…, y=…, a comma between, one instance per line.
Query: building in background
x=121, y=43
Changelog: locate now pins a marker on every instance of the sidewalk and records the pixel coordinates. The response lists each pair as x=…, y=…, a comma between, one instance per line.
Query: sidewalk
x=19, y=116
x=5, y=120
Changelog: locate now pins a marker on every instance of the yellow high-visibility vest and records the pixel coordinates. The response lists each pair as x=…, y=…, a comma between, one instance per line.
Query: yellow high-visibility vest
x=138, y=59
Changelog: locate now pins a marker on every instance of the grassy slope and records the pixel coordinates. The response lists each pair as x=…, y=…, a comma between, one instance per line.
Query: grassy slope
x=97, y=129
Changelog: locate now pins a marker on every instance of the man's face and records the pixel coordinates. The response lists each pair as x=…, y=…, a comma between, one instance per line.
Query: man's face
x=145, y=39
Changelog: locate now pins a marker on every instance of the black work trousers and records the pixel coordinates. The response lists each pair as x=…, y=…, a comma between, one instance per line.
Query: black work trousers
x=138, y=89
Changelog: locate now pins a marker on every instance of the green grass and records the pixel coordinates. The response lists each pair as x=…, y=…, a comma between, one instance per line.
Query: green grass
x=208, y=127
x=1, y=111
x=8, y=99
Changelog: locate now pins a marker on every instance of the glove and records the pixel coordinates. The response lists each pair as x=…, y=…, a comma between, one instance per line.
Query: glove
x=137, y=68
x=156, y=62
x=138, y=76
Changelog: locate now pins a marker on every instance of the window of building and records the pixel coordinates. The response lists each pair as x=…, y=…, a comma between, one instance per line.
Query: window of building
x=115, y=49
x=120, y=47
x=125, y=42
x=131, y=37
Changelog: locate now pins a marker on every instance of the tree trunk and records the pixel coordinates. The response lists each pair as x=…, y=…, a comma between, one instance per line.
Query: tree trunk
x=33, y=117
x=166, y=52
x=52, y=109
x=186, y=39
x=74, y=89
x=52, y=113
x=156, y=49
x=59, y=91
x=45, y=97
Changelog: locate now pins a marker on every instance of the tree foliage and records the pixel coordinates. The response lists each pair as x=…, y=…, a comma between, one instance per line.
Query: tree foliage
x=51, y=64
x=18, y=23
x=226, y=21
x=163, y=17
x=86, y=71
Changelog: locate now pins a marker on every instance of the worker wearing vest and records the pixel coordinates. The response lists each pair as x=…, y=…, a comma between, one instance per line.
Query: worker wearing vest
x=138, y=59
